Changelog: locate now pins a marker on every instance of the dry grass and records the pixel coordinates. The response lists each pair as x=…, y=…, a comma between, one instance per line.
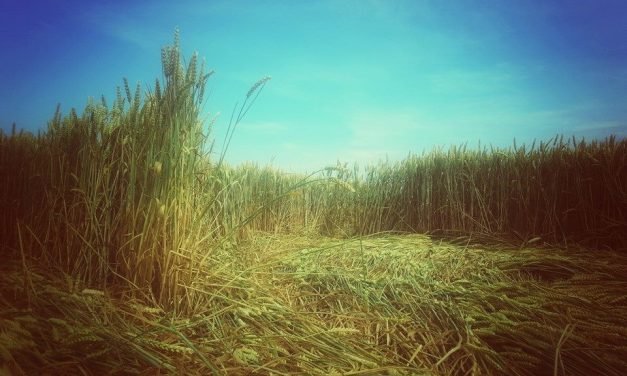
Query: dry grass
x=397, y=305
x=127, y=250
x=563, y=191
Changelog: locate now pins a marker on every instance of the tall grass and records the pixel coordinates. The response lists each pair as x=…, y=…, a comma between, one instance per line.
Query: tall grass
x=558, y=191
x=561, y=190
x=123, y=195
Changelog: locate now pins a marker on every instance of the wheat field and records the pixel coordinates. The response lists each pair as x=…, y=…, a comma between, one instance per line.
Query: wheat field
x=130, y=248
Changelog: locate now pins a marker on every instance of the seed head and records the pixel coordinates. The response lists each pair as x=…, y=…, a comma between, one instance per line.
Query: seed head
x=257, y=85
x=156, y=167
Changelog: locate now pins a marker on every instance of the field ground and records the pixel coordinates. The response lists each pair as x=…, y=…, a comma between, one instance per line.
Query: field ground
x=287, y=305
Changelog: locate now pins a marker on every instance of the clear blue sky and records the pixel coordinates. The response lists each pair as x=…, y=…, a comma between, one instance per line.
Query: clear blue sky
x=354, y=80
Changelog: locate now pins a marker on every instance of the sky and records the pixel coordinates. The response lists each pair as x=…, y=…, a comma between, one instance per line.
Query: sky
x=355, y=81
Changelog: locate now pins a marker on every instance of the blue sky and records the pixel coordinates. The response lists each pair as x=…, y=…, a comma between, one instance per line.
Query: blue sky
x=355, y=80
